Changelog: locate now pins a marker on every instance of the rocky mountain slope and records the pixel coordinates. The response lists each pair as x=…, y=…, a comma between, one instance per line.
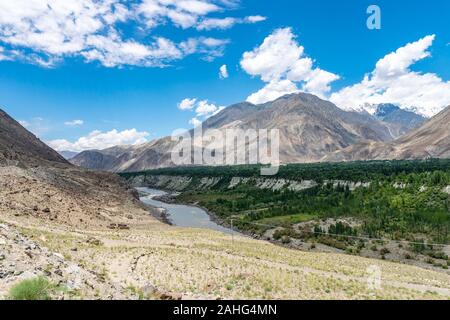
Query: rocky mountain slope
x=19, y=146
x=430, y=140
x=310, y=128
x=401, y=121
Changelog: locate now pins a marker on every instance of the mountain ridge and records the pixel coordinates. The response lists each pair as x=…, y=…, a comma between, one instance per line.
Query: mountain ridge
x=310, y=129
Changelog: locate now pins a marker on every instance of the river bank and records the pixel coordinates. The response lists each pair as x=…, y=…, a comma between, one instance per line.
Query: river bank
x=179, y=214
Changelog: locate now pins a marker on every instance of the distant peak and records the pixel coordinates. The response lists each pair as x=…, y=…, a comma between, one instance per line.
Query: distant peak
x=383, y=109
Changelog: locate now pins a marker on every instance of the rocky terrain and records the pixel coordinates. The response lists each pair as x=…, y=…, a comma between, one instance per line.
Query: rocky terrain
x=310, y=128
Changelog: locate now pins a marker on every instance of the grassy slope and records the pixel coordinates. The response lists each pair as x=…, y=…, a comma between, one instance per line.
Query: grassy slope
x=206, y=264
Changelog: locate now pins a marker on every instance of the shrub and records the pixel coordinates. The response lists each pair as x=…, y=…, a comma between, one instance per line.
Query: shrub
x=32, y=289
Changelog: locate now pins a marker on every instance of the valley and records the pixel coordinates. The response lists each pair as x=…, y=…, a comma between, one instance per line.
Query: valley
x=83, y=234
x=393, y=210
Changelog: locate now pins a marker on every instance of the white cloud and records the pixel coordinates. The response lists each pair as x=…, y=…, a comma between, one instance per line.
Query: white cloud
x=226, y=23
x=273, y=90
x=187, y=104
x=74, y=123
x=101, y=140
x=195, y=122
x=111, y=51
x=47, y=31
x=203, y=109
x=255, y=19
x=216, y=23
x=393, y=81
x=2, y=55
x=210, y=48
x=223, y=72
x=280, y=62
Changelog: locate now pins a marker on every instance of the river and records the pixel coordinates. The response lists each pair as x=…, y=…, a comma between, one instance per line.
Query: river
x=179, y=214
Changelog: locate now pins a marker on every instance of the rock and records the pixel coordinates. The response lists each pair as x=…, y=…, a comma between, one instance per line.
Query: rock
x=46, y=210
x=149, y=289
x=73, y=284
x=121, y=226
x=170, y=296
x=59, y=256
x=73, y=269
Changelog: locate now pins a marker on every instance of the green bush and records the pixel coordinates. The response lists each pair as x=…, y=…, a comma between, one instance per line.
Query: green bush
x=32, y=289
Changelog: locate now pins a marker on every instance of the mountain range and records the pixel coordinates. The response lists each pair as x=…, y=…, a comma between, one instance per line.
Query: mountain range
x=311, y=130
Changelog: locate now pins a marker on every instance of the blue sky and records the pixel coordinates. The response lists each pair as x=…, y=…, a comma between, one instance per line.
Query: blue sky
x=112, y=73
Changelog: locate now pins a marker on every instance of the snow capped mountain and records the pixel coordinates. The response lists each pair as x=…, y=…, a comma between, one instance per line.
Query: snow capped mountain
x=373, y=108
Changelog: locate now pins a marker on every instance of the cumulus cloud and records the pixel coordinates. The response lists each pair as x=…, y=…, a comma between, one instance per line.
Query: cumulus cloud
x=273, y=90
x=223, y=72
x=203, y=109
x=47, y=31
x=187, y=104
x=74, y=123
x=281, y=63
x=101, y=140
x=393, y=81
